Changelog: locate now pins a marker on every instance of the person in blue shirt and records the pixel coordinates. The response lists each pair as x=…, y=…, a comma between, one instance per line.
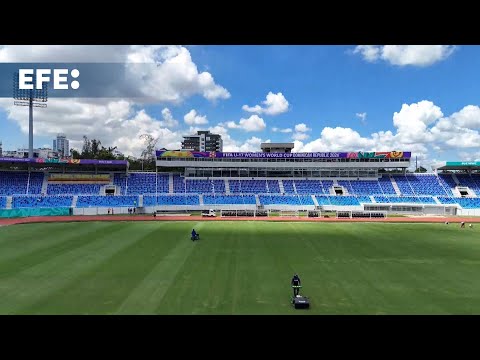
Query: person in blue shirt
x=296, y=283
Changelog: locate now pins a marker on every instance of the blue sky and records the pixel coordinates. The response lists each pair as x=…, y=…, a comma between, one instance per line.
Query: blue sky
x=422, y=99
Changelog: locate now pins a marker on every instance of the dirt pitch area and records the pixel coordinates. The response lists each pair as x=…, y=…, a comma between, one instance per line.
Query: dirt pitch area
x=81, y=218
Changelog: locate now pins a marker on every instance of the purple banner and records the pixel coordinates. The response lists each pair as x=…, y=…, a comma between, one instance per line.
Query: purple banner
x=65, y=161
x=4, y=159
x=262, y=155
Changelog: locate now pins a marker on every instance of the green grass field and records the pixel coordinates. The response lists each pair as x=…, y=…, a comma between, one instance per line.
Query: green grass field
x=238, y=268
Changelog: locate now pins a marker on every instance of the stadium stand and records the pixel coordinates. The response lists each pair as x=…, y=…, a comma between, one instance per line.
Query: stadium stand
x=20, y=183
x=404, y=185
x=472, y=182
x=356, y=173
x=171, y=200
x=286, y=200
x=404, y=199
x=85, y=201
x=448, y=183
x=199, y=186
x=229, y=199
x=365, y=187
x=386, y=185
x=73, y=189
x=469, y=203
x=426, y=185
x=27, y=201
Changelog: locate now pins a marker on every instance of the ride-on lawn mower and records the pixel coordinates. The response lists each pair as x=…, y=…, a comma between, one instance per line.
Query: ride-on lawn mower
x=196, y=237
x=299, y=301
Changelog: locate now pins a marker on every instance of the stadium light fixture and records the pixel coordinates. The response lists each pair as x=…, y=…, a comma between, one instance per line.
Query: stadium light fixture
x=31, y=98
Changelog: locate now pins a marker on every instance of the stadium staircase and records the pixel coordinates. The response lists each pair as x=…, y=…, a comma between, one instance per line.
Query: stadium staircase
x=45, y=184
x=140, y=200
x=200, y=197
x=9, y=202
x=170, y=184
x=280, y=185
x=441, y=185
x=227, y=187
x=395, y=186
x=28, y=183
x=373, y=199
x=315, y=201
x=74, y=201
x=257, y=200
x=455, y=179
x=411, y=187
x=335, y=182
x=436, y=200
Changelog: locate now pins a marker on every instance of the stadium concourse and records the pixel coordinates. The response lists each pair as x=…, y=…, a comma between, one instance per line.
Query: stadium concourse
x=252, y=182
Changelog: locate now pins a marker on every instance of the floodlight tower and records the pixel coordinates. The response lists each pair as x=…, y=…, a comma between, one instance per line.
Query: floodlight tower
x=31, y=98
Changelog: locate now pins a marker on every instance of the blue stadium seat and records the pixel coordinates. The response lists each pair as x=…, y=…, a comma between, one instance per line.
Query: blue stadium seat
x=85, y=201
x=17, y=183
x=386, y=185
x=472, y=181
x=286, y=200
x=149, y=200
x=469, y=203
x=404, y=199
x=32, y=201
x=229, y=199
x=73, y=189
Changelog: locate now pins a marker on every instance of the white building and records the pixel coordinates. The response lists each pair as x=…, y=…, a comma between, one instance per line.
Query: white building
x=61, y=145
x=42, y=153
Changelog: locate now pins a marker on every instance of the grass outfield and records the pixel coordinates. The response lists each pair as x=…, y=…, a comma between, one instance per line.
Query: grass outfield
x=238, y=268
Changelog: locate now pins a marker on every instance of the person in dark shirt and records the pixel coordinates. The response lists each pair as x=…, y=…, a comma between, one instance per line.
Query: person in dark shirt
x=194, y=235
x=296, y=283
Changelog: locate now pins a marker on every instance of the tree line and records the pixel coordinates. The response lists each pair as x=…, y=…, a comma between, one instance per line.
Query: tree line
x=93, y=149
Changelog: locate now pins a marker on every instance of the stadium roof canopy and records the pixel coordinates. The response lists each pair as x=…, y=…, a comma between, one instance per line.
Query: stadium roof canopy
x=459, y=165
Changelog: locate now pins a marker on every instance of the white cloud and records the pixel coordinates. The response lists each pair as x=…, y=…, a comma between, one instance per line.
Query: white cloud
x=285, y=131
x=253, y=123
x=420, y=128
x=469, y=156
x=173, y=79
x=231, y=125
x=274, y=104
x=168, y=120
x=115, y=123
x=403, y=55
x=362, y=117
x=412, y=121
x=300, y=136
x=192, y=118
x=468, y=117
x=302, y=128
x=301, y=132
